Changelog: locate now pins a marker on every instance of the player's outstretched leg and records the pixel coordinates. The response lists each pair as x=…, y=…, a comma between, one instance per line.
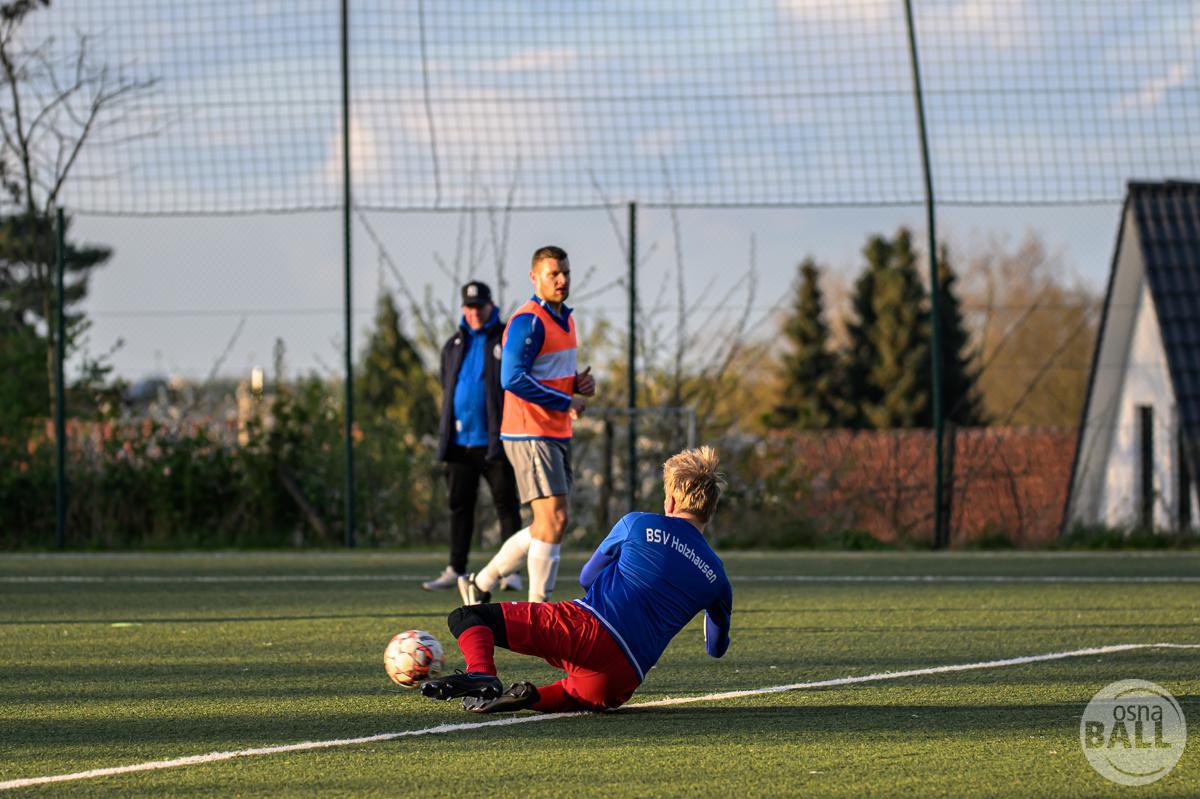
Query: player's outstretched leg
x=470, y=591
x=477, y=588
x=519, y=696
x=551, y=698
x=470, y=684
x=478, y=629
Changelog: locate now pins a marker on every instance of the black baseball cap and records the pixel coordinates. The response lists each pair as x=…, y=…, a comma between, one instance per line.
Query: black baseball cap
x=476, y=293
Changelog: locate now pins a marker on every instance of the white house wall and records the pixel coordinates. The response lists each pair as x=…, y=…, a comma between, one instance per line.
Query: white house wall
x=1088, y=491
x=1147, y=381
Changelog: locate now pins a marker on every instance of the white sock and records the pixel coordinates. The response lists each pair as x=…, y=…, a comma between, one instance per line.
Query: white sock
x=506, y=561
x=543, y=570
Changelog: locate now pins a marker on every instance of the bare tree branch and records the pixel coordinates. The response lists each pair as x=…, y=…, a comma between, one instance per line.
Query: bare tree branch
x=738, y=339
x=74, y=98
x=216, y=367
x=13, y=77
x=443, y=267
x=499, y=233
x=681, y=335
x=598, y=291
x=431, y=337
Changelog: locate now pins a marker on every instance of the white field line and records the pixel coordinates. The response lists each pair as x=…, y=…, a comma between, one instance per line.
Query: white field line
x=897, y=675
x=388, y=556
x=216, y=578
x=964, y=578
x=761, y=578
x=306, y=746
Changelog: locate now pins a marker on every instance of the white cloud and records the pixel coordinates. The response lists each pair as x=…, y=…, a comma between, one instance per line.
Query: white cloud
x=997, y=24
x=542, y=58
x=267, y=8
x=483, y=143
x=1002, y=24
x=364, y=156
x=1153, y=91
x=658, y=142
x=829, y=11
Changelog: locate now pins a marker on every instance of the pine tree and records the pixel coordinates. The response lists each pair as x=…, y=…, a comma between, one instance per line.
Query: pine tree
x=854, y=364
x=27, y=308
x=392, y=383
x=807, y=400
x=901, y=374
x=962, y=404
x=24, y=393
x=886, y=369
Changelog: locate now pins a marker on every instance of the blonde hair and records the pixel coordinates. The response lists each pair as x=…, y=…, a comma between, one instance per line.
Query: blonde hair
x=692, y=480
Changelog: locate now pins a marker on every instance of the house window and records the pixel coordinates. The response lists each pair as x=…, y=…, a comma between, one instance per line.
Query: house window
x=1145, y=415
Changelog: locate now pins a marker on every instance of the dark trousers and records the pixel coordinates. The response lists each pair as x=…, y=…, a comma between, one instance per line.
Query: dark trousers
x=464, y=467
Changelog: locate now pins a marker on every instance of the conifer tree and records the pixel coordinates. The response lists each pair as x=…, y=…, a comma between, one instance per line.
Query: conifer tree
x=854, y=391
x=960, y=375
x=807, y=400
x=900, y=376
x=886, y=368
x=392, y=383
x=27, y=304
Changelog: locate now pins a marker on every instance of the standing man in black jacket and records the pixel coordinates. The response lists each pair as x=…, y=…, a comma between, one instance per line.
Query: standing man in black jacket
x=469, y=434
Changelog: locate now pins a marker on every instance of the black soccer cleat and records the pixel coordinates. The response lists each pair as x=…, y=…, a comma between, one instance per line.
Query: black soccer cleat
x=519, y=696
x=469, y=684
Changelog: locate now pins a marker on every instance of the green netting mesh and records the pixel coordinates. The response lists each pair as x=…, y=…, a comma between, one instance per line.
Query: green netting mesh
x=565, y=103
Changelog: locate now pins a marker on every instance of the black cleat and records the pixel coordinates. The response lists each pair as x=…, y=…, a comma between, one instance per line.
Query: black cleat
x=519, y=696
x=470, y=684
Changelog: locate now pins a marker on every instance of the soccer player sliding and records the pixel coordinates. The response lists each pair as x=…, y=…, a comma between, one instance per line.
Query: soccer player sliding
x=644, y=583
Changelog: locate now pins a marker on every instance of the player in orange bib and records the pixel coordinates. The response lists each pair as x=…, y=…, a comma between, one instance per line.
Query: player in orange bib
x=538, y=373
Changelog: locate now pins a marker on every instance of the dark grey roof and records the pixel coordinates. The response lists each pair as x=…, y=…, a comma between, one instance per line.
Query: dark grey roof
x=1167, y=216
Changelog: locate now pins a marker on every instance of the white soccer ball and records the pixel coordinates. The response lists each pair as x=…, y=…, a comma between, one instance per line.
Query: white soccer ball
x=413, y=656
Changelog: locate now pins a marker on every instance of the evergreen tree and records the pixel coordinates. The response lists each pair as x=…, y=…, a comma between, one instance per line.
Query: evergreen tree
x=24, y=393
x=886, y=369
x=855, y=391
x=962, y=404
x=901, y=374
x=807, y=400
x=392, y=383
x=27, y=308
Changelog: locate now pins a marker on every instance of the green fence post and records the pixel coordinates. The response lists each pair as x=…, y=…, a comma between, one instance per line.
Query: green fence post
x=60, y=399
x=632, y=466
x=346, y=276
x=941, y=532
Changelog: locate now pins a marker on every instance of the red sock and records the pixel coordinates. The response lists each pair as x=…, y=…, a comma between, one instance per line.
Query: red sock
x=478, y=646
x=554, y=698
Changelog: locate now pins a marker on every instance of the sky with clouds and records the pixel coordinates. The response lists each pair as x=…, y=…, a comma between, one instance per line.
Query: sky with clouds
x=804, y=104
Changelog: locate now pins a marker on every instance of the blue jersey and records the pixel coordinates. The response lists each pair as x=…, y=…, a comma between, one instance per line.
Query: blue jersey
x=647, y=580
x=470, y=390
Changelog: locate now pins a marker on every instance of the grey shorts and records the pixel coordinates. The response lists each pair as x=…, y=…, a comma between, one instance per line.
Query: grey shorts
x=542, y=466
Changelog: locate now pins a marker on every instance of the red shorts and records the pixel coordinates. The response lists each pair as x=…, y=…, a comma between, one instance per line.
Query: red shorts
x=570, y=638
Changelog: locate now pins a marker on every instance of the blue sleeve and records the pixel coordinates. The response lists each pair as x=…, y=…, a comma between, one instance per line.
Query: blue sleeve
x=605, y=554
x=716, y=623
x=525, y=337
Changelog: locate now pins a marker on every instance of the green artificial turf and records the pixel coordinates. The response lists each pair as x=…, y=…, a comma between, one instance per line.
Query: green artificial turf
x=112, y=671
